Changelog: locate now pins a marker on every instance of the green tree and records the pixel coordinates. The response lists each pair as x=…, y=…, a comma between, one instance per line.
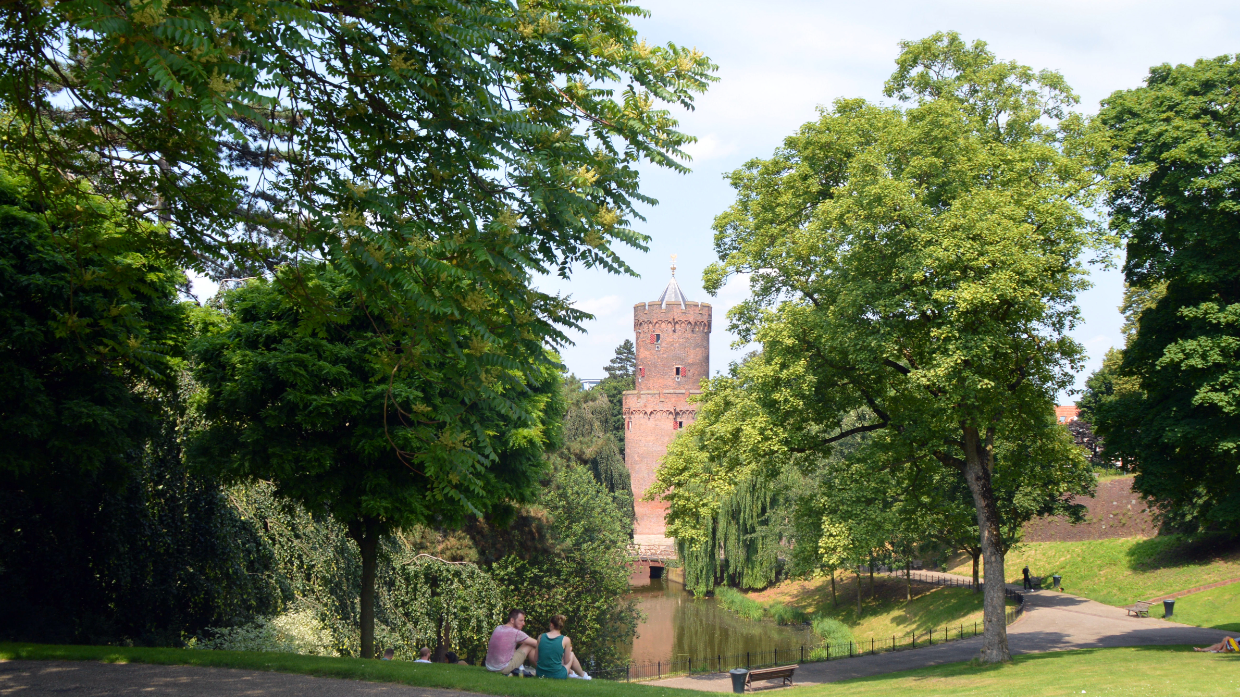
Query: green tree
x=438, y=154
x=588, y=444
x=624, y=363
x=1171, y=407
x=621, y=376
x=313, y=410
x=914, y=269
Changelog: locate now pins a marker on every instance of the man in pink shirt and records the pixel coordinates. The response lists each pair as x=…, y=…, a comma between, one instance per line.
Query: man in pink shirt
x=510, y=647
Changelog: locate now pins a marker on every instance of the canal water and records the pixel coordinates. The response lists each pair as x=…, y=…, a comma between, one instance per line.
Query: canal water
x=679, y=626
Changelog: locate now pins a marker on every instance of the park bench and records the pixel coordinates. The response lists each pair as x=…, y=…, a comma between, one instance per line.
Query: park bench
x=781, y=672
x=1140, y=608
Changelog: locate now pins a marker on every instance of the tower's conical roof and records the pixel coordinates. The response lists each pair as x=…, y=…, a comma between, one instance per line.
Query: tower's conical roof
x=672, y=293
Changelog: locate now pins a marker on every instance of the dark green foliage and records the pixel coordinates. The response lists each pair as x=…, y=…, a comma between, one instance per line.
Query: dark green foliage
x=585, y=578
x=104, y=537
x=141, y=552
x=1178, y=423
x=315, y=411
x=614, y=424
x=621, y=376
x=85, y=317
x=588, y=444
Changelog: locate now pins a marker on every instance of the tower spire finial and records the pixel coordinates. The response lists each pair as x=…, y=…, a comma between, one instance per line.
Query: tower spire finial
x=673, y=266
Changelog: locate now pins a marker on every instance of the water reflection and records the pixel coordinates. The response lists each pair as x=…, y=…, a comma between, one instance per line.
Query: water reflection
x=680, y=626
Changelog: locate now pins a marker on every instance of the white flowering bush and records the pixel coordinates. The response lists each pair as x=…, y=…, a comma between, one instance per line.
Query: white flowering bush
x=297, y=631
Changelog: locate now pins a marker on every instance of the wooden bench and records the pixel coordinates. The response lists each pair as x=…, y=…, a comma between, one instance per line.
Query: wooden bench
x=781, y=672
x=1140, y=609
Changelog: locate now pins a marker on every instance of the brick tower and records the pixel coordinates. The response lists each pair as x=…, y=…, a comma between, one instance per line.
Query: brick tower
x=673, y=357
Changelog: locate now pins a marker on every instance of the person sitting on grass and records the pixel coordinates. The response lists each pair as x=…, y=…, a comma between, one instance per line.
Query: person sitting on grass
x=555, y=654
x=510, y=647
x=1227, y=645
x=388, y=654
x=451, y=657
x=424, y=656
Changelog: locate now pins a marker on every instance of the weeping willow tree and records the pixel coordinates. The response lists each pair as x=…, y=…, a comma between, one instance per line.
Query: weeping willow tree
x=746, y=540
x=588, y=444
x=443, y=605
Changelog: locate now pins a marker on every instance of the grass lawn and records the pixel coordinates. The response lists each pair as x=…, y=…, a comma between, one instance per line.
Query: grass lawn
x=1218, y=608
x=1122, y=571
x=885, y=614
x=421, y=675
x=1128, y=672
x=1143, y=671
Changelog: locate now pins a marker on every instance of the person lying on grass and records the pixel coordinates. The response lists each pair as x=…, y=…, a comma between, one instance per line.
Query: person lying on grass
x=509, y=646
x=1227, y=645
x=451, y=657
x=555, y=654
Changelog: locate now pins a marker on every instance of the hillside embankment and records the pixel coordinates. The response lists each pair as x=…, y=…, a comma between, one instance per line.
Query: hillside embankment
x=1115, y=511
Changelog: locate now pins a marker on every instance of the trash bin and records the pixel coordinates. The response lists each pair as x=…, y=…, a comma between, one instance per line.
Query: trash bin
x=1056, y=578
x=1168, y=607
x=738, y=679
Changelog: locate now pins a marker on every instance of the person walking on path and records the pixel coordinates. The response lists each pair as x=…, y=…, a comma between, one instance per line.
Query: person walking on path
x=555, y=654
x=509, y=646
x=1028, y=581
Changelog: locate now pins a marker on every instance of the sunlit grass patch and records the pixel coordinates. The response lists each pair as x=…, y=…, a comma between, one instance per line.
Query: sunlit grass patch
x=1155, y=671
x=1122, y=571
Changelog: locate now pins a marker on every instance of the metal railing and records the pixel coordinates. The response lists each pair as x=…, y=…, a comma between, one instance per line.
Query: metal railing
x=653, y=670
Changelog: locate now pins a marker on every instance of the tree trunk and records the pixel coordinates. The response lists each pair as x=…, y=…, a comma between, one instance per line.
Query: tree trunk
x=442, y=643
x=834, y=602
x=908, y=579
x=365, y=533
x=977, y=472
x=977, y=587
x=871, y=578
x=858, y=592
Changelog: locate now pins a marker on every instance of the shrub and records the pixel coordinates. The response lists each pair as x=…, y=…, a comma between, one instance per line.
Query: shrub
x=832, y=631
x=737, y=602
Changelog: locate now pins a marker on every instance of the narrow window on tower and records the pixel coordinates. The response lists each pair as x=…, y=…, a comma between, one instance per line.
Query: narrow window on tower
x=657, y=340
x=677, y=373
x=630, y=424
x=680, y=424
x=641, y=372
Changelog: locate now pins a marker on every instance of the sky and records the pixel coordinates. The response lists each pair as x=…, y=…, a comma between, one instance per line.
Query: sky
x=778, y=61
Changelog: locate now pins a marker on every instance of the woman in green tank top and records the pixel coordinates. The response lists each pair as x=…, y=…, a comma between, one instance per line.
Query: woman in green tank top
x=555, y=654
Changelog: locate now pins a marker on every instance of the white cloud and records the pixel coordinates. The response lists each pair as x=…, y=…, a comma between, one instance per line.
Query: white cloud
x=601, y=307
x=708, y=147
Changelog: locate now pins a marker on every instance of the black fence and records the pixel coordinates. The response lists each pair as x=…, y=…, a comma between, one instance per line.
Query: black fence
x=654, y=670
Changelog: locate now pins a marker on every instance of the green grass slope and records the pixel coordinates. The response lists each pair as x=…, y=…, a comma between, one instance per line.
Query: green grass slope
x=885, y=612
x=1128, y=672
x=467, y=678
x=1218, y=608
x=1122, y=571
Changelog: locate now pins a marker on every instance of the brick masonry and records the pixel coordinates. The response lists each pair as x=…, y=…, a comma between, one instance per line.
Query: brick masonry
x=668, y=338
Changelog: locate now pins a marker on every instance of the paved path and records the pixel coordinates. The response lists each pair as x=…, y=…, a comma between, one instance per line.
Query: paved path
x=92, y=679
x=1052, y=621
